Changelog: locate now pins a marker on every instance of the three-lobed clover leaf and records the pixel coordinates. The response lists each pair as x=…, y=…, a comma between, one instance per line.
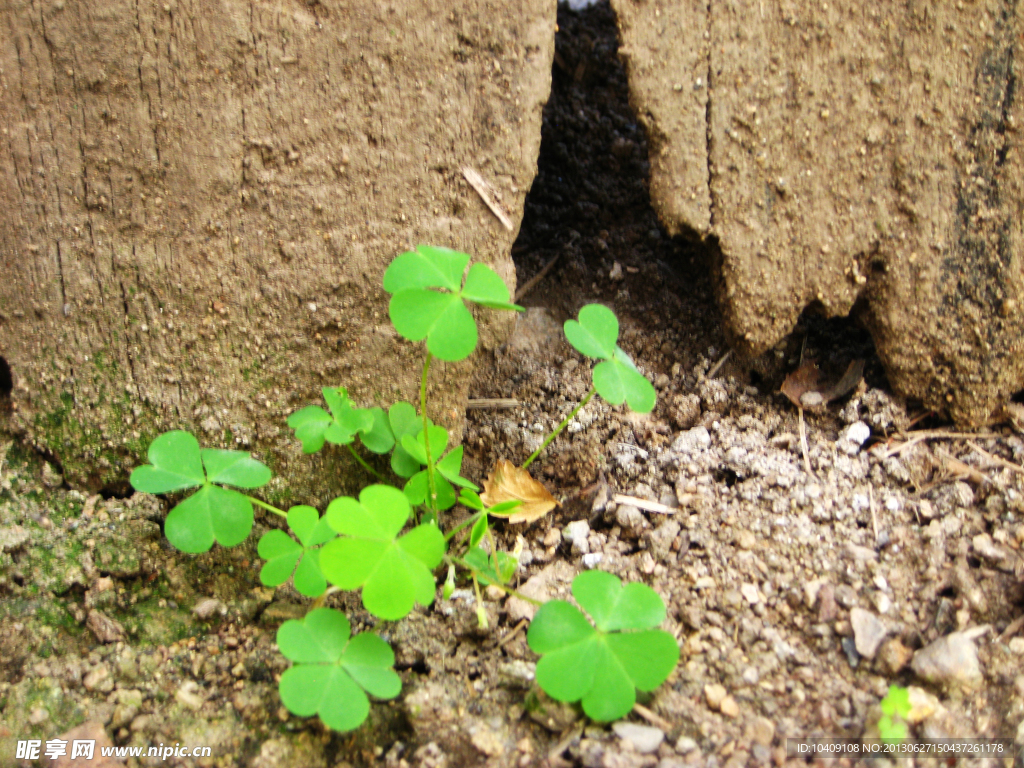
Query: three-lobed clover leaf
x=313, y=425
x=440, y=316
x=604, y=662
x=394, y=571
x=332, y=671
x=483, y=566
x=616, y=379
x=213, y=513
x=379, y=438
x=896, y=709
x=283, y=553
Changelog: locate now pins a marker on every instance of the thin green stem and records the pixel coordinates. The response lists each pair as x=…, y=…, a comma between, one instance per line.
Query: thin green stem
x=560, y=427
x=267, y=507
x=503, y=587
x=468, y=521
x=362, y=461
x=426, y=434
x=494, y=554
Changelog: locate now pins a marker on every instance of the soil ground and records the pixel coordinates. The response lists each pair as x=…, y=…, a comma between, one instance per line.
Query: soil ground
x=800, y=584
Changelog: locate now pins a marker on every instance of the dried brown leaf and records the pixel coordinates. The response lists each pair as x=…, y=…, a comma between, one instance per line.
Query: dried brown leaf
x=800, y=382
x=507, y=482
x=805, y=389
x=854, y=373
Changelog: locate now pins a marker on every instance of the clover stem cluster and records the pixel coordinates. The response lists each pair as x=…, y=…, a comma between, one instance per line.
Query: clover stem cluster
x=368, y=544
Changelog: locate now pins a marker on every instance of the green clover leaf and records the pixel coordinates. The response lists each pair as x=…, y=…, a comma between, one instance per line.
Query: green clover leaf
x=417, y=489
x=616, y=379
x=896, y=708
x=175, y=464
x=478, y=531
x=482, y=564
x=313, y=425
x=393, y=571
x=448, y=468
x=282, y=553
x=897, y=701
x=604, y=664
x=419, y=311
x=332, y=671
x=403, y=421
x=378, y=438
x=212, y=513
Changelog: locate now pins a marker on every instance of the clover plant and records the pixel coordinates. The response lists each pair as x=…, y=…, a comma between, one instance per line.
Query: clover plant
x=602, y=663
x=283, y=553
x=389, y=542
x=892, y=725
x=331, y=669
x=394, y=571
x=213, y=513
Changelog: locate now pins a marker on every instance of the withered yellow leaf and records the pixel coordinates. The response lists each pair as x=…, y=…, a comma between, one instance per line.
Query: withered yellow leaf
x=507, y=482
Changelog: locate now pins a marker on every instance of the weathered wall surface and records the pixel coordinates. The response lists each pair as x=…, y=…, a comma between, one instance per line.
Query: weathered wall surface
x=198, y=200
x=854, y=154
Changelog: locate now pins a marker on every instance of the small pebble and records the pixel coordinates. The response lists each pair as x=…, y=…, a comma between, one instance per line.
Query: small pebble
x=729, y=707
x=645, y=739
x=576, y=534
x=685, y=744
x=715, y=694
x=750, y=593
x=868, y=632
x=951, y=661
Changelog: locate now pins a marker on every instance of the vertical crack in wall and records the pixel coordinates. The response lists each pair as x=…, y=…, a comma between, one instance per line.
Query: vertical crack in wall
x=708, y=137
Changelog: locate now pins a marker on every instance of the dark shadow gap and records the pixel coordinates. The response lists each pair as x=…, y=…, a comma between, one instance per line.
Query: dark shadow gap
x=6, y=379
x=589, y=205
x=590, y=208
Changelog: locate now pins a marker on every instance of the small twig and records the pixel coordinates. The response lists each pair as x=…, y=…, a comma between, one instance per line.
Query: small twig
x=573, y=733
x=655, y=720
x=913, y=438
x=1012, y=630
x=529, y=284
x=718, y=366
x=803, y=443
x=944, y=435
x=874, y=514
x=515, y=631
x=476, y=181
x=998, y=460
x=481, y=403
x=962, y=469
x=650, y=506
x=920, y=417
x=898, y=449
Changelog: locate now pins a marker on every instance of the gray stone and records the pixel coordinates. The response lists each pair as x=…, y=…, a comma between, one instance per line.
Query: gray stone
x=576, y=533
x=951, y=661
x=868, y=632
x=692, y=440
x=12, y=537
x=645, y=738
x=853, y=437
